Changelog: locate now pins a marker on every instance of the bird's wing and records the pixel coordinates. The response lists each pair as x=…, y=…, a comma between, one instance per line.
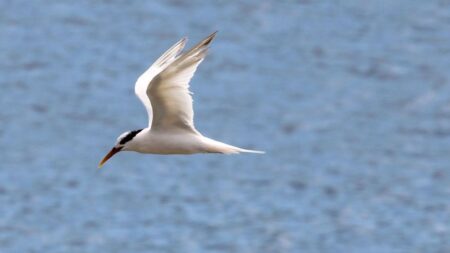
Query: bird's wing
x=169, y=91
x=160, y=64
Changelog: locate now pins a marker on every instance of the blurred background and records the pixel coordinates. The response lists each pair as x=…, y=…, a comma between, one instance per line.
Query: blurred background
x=350, y=100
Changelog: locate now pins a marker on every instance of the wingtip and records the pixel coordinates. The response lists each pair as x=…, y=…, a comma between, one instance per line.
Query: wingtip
x=210, y=38
x=182, y=42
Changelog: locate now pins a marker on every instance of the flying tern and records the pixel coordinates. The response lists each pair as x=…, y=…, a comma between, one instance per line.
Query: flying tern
x=164, y=90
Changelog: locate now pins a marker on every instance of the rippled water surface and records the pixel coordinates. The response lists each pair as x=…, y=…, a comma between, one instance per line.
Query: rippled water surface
x=350, y=99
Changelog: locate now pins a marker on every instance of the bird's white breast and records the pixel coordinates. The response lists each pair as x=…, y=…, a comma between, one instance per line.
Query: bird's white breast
x=167, y=143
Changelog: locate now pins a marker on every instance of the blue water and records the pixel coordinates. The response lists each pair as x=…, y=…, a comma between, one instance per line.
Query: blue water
x=350, y=99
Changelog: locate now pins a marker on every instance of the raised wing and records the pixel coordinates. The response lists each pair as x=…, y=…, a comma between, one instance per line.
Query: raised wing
x=160, y=64
x=169, y=91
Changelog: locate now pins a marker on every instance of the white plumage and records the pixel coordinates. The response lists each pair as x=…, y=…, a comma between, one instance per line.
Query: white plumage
x=164, y=91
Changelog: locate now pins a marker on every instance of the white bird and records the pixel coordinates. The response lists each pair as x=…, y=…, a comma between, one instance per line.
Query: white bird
x=164, y=91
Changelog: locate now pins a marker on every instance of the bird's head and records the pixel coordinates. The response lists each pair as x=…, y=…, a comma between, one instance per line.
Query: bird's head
x=123, y=142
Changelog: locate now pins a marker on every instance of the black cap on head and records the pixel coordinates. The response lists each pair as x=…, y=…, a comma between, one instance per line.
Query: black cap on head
x=129, y=136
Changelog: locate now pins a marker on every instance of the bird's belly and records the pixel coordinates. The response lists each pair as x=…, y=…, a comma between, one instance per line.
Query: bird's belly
x=167, y=145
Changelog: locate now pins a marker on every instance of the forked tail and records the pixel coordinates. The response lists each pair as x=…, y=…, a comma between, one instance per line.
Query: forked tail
x=213, y=146
x=251, y=151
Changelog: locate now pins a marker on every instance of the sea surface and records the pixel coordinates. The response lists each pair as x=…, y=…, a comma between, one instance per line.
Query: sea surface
x=350, y=100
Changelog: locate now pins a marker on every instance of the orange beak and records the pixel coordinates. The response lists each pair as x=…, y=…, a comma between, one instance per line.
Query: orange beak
x=109, y=155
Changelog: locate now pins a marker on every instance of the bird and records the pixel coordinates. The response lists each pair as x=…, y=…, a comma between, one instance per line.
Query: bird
x=164, y=90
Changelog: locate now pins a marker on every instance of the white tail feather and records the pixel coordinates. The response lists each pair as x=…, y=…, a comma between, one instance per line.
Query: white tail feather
x=251, y=151
x=213, y=146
